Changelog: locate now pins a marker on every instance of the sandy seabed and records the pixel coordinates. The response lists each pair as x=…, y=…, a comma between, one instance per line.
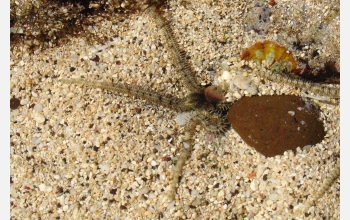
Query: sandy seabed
x=86, y=153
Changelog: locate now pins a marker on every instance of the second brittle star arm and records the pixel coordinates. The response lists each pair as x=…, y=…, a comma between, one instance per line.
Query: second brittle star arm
x=212, y=123
x=170, y=102
x=179, y=56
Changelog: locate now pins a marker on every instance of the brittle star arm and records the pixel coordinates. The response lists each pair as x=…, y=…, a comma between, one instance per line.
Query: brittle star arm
x=179, y=56
x=323, y=90
x=213, y=123
x=140, y=93
x=334, y=174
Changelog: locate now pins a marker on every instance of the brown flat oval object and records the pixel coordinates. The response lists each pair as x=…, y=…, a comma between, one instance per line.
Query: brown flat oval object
x=275, y=124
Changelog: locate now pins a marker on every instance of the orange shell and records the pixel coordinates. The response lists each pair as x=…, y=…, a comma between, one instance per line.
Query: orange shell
x=269, y=51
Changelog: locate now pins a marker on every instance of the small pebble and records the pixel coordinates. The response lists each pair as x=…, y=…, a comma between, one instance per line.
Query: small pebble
x=254, y=185
x=226, y=76
x=42, y=187
x=38, y=107
x=260, y=170
x=56, y=177
x=35, y=140
x=14, y=103
x=38, y=117
x=15, y=112
x=273, y=197
x=24, y=101
x=65, y=208
x=262, y=186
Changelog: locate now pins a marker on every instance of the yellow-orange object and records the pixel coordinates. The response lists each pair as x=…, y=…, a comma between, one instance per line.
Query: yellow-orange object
x=269, y=51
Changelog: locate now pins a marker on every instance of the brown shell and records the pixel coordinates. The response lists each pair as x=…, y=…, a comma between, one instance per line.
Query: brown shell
x=277, y=123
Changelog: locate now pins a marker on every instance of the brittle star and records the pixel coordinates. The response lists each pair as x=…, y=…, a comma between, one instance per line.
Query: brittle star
x=206, y=103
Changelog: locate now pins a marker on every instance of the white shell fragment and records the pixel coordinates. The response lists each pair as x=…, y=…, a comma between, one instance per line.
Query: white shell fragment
x=38, y=107
x=182, y=118
x=42, y=187
x=38, y=117
x=245, y=83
